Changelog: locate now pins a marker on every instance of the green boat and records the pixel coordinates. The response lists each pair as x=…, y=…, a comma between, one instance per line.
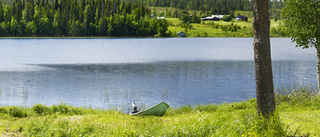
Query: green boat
x=156, y=110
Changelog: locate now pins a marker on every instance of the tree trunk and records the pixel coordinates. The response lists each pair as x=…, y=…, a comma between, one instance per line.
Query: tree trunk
x=318, y=66
x=262, y=59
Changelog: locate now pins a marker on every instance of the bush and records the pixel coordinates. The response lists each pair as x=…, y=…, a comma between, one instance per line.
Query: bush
x=185, y=18
x=17, y=112
x=227, y=18
x=65, y=109
x=2, y=110
x=41, y=109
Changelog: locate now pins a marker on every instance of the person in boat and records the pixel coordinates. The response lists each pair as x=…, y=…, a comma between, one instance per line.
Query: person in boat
x=134, y=108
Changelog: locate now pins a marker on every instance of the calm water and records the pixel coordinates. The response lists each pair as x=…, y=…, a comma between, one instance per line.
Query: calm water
x=112, y=73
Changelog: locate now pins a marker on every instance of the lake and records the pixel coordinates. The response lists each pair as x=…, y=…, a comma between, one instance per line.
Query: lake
x=113, y=73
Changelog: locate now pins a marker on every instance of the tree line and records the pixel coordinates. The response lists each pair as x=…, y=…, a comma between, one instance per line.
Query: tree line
x=212, y=6
x=78, y=18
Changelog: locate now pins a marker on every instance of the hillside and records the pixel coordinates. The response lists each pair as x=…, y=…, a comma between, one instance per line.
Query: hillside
x=73, y=18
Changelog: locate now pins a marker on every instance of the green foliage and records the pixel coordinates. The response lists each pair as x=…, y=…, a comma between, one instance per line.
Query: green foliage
x=301, y=97
x=297, y=115
x=77, y=18
x=182, y=110
x=162, y=26
x=206, y=108
x=65, y=109
x=203, y=120
x=2, y=110
x=227, y=18
x=279, y=32
x=40, y=109
x=302, y=22
x=185, y=17
x=210, y=7
x=223, y=29
x=195, y=18
x=16, y=111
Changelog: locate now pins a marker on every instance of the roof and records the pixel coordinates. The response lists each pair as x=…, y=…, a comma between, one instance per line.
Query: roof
x=212, y=17
x=182, y=34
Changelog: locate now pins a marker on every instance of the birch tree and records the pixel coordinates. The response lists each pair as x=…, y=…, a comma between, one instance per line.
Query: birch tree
x=303, y=25
x=262, y=59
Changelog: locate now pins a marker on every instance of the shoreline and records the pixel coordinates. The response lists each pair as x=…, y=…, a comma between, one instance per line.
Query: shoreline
x=117, y=37
x=236, y=118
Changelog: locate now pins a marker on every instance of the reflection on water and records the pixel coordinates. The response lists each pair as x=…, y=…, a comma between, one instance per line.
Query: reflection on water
x=113, y=73
x=117, y=85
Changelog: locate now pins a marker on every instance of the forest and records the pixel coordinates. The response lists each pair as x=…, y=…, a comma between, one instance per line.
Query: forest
x=59, y=18
x=214, y=7
x=78, y=18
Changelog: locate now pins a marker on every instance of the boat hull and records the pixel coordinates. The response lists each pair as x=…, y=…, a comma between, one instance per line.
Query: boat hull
x=156, y=110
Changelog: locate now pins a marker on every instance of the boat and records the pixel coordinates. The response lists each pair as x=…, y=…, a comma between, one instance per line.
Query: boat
x=156, y=110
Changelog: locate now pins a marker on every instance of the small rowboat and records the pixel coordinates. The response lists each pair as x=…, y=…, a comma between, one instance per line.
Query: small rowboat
x=156, y=110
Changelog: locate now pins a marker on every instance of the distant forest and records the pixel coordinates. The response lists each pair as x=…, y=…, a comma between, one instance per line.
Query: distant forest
x=107, y=17
x=211, y=7
x=78, y=18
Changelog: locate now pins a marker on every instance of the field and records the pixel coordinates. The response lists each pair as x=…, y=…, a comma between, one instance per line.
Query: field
x=218, y=28
x=297, y=114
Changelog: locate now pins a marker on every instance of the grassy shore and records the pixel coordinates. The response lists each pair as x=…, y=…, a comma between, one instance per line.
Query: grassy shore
x=297, y=114
x=203, y=29
x=221, y=28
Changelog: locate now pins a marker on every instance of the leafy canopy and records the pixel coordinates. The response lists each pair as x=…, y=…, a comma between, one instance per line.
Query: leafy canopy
x=303, y=22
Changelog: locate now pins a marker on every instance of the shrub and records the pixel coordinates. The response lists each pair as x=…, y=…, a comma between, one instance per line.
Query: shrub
x=65, y=109
x=2, y=110
x=227, y=18
x=17, y=112
x=41, y=109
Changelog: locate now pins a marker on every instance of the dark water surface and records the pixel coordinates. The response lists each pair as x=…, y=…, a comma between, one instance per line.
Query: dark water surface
x=112, y=73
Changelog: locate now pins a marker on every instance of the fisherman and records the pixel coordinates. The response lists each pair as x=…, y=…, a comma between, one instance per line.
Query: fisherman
x=134, y=108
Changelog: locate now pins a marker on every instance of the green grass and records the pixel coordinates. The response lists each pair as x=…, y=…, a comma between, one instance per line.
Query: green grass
x=206, y=29
x=249, y=14
x=298, y=111
x=215, y=28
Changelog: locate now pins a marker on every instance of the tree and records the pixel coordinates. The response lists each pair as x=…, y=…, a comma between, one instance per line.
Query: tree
x=226, y=18
x=162, y=27
x=87, y=19
x=60, y=18
x=3, y=29
x=1, y=12
x=305, y=31
x=262, y=59
x=185, y=17
x=45, y=27
x=195, y=18
x=31, y=28
x=103, y=26
x=14, y=27
x=76, y=28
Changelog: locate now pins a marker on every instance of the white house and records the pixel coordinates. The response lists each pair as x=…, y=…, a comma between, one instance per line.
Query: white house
x=162, y=18
x=213, y=17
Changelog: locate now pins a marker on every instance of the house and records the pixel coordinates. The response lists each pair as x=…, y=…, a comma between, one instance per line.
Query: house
x=162, y=18
x=241, y=18
x=213, y=17
x=182, y=34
